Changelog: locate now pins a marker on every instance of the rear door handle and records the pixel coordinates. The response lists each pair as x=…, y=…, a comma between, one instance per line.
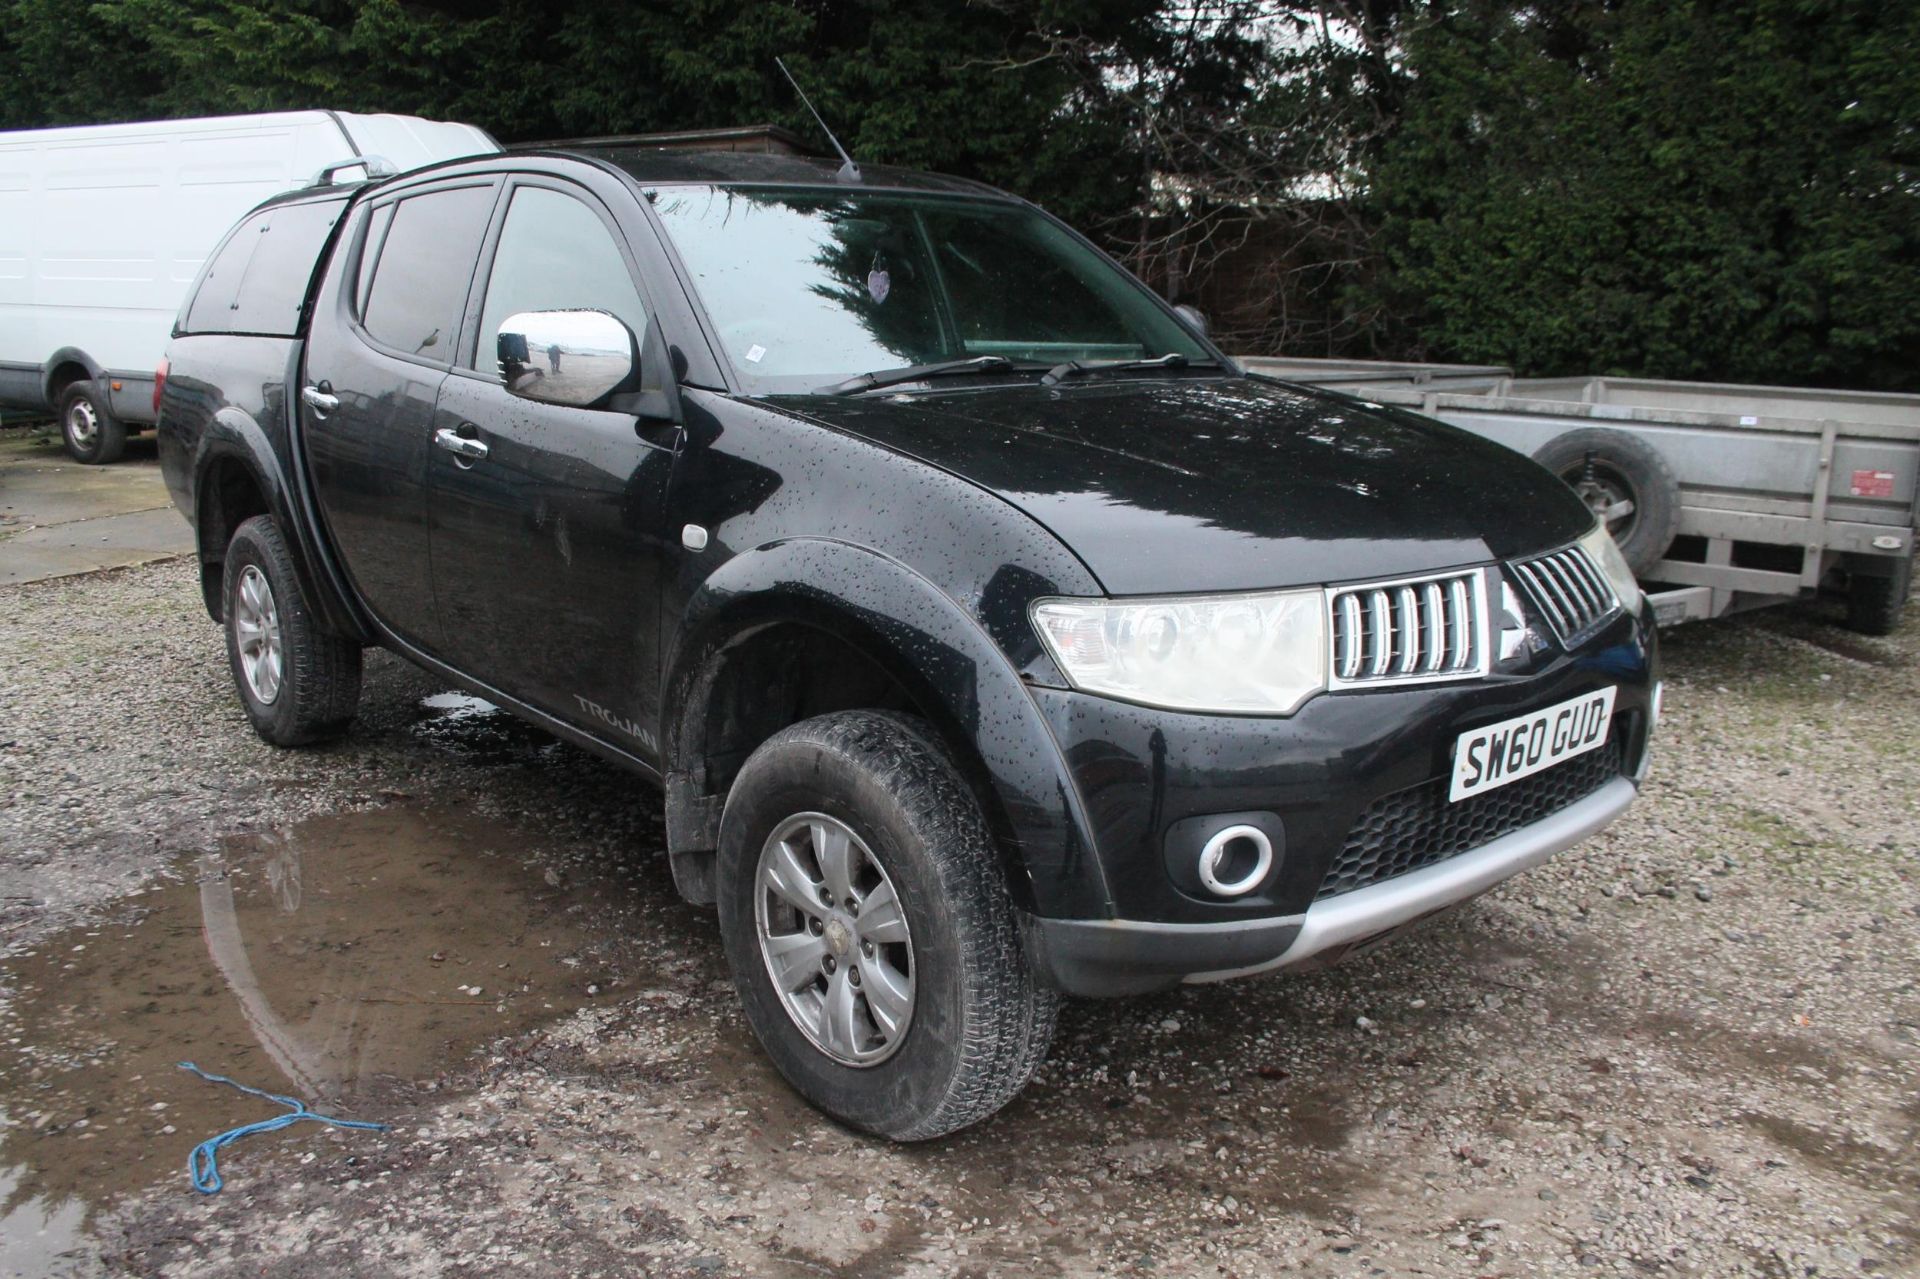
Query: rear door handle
x=460, y=445
x=320, y=399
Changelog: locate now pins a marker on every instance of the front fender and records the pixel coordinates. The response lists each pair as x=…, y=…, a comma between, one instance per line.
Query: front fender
x=954, y=671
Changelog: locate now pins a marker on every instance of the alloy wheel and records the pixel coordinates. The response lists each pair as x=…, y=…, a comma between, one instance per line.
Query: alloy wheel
x=834, y=939
x=256, y=631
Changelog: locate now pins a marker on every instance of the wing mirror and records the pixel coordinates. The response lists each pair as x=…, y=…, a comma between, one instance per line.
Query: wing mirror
x=586, y=359
x=572, y=358
x=1196, y=319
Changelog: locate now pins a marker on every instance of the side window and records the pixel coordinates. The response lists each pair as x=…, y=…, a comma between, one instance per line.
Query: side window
x=258, y=281
x=370, y=254
x=420, y=282
x=555, y=254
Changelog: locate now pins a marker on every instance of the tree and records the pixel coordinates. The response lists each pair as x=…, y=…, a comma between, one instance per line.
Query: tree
x=947, y=85
x=1721, y=191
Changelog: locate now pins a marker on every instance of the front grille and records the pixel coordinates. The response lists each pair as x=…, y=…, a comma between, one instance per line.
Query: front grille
x=1417, y=827
x=1570, y=589
x=1428, y=628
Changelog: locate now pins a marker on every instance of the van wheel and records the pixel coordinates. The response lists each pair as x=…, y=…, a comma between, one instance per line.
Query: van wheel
x=298, y=683
x=92, y=433
x=1876, y=604
x=1624, y=482
x=867, y=923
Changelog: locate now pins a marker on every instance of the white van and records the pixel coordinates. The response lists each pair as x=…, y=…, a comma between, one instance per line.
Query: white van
x=103, y=229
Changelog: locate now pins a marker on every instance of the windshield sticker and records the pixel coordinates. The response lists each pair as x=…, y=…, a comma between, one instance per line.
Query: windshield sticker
x=879, y=279
x=756, y=353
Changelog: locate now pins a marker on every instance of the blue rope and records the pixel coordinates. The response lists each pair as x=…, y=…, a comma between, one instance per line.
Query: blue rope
x=203, y=1164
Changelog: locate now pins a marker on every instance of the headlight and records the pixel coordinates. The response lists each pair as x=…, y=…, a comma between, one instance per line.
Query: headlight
x=1237, y=654
x=1606, y=554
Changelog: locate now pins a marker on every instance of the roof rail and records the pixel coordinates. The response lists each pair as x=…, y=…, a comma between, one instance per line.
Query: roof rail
x=376, y=167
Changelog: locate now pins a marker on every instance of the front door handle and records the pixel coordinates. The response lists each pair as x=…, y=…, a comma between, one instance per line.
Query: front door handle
x=461, y=446
x=320, y=399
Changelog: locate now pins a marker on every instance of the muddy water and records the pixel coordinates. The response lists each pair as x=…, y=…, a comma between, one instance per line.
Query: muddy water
x=351, y=961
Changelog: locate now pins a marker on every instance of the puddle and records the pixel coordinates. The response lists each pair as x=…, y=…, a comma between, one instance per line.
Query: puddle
x=351, y=960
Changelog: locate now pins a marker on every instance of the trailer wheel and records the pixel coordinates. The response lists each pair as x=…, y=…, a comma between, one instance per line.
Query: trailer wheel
x=1875, y=604
x=1624, y=482
x=92, y=433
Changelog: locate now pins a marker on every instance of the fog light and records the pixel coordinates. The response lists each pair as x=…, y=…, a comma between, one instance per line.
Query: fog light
x=1235, y=860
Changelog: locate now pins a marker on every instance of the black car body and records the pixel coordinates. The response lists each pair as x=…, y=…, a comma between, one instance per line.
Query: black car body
x=708, y=555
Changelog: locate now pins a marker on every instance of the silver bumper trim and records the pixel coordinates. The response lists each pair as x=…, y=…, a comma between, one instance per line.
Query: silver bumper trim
x=1365, y=912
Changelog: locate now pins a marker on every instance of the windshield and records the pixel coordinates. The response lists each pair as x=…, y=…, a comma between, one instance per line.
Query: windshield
x=808, y=287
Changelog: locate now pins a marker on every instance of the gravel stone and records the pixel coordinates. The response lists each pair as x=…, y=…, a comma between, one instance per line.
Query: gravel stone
x=1654, y=1087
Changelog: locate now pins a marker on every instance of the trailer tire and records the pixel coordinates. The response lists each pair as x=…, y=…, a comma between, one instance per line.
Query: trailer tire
x=1624, y=470
x=92, y=434
x=1875, y=604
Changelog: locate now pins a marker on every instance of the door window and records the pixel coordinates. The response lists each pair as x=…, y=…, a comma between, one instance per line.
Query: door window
x=420, y=282
x=555, y=254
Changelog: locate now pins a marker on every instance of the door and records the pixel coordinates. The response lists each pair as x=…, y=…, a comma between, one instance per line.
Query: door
x=383, y=337
x=548, y=546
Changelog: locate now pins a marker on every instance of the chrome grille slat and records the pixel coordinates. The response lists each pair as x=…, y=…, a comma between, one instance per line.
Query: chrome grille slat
x=1407, y=640
x=1378, y=611
x=1569, y=588
x=1408, y=630
x=1459, y=625
x=1436, y=621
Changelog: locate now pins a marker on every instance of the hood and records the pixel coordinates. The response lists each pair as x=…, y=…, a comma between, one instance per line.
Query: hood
x=1226, y=484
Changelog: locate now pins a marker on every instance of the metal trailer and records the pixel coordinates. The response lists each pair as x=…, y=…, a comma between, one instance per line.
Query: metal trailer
x=1728, y=497
x=1340, y=374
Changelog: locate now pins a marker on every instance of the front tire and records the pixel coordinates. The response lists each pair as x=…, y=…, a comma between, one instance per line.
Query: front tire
x=849, y=842
x=93, y=435
x=299, y=683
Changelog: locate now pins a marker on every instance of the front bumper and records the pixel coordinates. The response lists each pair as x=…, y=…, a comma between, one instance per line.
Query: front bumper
x=1121, y=957
x=1326, y=775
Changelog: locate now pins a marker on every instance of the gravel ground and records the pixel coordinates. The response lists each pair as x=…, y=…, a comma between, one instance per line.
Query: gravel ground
x=1691, y=1045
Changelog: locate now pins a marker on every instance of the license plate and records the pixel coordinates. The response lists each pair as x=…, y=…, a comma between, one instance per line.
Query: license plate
x=1488, y=758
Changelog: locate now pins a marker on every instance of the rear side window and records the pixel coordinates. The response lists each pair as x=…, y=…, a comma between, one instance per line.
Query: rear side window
x=419, y=285
x=258, y=280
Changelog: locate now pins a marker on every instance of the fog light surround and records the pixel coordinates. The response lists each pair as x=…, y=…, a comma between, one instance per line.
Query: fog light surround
x=1235, y=861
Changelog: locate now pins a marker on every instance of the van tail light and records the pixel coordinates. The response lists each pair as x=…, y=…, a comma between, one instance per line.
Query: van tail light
x=159, y=384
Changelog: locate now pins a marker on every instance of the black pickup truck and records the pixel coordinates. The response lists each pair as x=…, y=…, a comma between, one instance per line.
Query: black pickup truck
x=992, y=635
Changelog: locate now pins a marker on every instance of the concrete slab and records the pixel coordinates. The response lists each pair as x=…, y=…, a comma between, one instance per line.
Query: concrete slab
x=58, y=517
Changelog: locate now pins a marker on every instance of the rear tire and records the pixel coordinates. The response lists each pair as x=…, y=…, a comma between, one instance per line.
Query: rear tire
x=973, y=1024
x=299, y=683
x=93, y=435
x=1876, y=604
x=1624, y=470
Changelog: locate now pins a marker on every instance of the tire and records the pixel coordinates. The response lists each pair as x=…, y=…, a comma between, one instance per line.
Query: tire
x=1875, y=604
x=315, y=684
x=1623, y=468
x=93, y=435
x=978, y=1024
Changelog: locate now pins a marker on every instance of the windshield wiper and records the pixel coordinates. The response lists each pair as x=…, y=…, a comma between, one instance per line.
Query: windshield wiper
x=918, y=372
x=1171, y=360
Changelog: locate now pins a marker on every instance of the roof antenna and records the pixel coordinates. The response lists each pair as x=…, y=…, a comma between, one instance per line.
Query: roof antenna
x=849, y=171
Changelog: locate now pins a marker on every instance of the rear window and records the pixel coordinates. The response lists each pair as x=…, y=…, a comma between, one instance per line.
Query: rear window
x=258, y=279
